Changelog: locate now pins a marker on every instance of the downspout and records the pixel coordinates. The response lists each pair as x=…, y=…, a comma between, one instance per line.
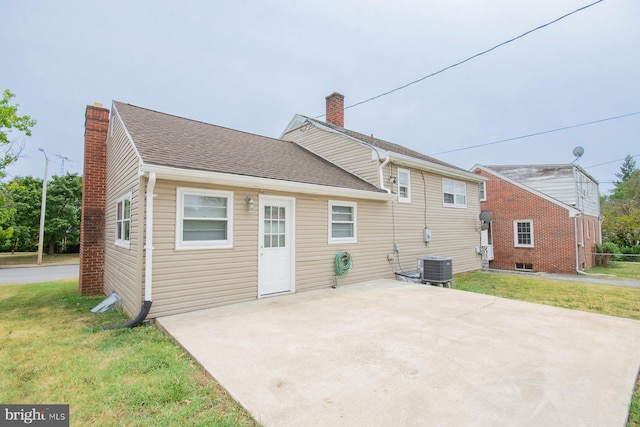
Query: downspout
x=148, y=264
x=148, y=261
x=381, y=172
x=575, y=230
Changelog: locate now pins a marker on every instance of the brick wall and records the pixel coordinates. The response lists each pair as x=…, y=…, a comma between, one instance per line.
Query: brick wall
x=92, y=234
x=554, y=241
x=335, y=109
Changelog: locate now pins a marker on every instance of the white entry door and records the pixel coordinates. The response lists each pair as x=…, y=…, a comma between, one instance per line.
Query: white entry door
x=276, y=251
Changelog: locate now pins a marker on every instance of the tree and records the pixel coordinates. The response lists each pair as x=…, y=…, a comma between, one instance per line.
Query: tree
x=627, y=169
x=64, y=202
x=622, y=215
x=62, y=225
x=10, y=121
x=23, y=198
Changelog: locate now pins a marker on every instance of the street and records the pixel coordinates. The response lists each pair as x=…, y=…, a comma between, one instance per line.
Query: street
x=47, y=273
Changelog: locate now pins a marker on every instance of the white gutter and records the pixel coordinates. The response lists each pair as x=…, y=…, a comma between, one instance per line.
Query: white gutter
x=380, y=170
x=218, y=178
x=148, y=246
x=404, y=160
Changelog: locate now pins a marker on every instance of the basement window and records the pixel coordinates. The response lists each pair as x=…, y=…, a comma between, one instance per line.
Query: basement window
x=523, y=266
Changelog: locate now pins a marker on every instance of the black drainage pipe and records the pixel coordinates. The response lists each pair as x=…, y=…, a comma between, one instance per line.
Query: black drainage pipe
x=146, y=306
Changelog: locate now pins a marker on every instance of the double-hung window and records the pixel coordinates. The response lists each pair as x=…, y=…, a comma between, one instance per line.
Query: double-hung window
x=123, y=221
x=204, y=219
x=404, y=185
x=342, y=222
x=523, y=233
x=482, y=188
x=454, y=193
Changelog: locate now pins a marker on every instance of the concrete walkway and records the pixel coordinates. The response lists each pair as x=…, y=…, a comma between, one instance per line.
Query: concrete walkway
x=390, y=353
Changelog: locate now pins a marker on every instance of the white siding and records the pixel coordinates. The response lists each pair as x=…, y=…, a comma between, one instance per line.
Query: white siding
x=588, y=194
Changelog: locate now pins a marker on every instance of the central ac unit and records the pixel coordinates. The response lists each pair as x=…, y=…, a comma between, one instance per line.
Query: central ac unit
x=435, y=269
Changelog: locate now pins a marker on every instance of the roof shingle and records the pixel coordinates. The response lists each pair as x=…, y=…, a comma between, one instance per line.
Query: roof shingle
x=167, y=140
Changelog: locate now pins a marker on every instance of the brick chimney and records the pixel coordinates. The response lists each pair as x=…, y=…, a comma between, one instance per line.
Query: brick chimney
x=335, y=109
x=92, y=234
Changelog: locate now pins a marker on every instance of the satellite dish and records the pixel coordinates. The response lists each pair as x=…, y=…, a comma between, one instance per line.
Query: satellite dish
x=485, y=216
x=484, y=226
x=578, y=151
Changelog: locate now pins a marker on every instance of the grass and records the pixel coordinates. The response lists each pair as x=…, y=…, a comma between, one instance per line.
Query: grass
x=610, y=300
x=7, y=259
x=626, y=270
x=124, y=377
x=139, y=377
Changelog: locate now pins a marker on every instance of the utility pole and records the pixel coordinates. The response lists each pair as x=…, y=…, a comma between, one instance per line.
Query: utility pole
x=62, y=158
x=43, y=206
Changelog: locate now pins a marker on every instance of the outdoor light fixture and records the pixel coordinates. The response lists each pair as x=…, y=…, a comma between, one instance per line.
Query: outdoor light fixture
x=251, y=204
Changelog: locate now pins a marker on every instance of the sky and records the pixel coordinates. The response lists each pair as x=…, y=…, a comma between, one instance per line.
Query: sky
x=253, y=65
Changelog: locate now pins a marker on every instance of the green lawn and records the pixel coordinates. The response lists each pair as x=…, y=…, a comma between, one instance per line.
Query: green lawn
x=140, y=377
x=7, y=259
x=611, y=300
x=627, y=270
x=123, y=377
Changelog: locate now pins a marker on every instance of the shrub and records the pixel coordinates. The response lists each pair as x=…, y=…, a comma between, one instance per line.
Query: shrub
x=605, y=252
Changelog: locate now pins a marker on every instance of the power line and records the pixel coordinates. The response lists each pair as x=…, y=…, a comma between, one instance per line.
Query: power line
x=537, y=133
x=612, y=161
x=471, y=57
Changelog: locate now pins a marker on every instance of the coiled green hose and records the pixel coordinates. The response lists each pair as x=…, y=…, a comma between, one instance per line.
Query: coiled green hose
x=341, y=265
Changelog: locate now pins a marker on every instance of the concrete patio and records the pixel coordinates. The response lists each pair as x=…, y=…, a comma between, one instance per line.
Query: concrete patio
x=388, y=353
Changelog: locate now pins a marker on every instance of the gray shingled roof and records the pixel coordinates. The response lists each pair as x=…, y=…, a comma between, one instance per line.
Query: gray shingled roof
x=388, y=146
x=166, y=140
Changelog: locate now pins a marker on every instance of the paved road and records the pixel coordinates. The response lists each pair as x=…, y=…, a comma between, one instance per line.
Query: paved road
x=46, y=273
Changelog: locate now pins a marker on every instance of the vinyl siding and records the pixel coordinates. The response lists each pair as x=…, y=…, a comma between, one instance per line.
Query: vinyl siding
x=187, y=280
x=340, y=150
x=453, y=229
x=588, y=194
x=123, y=269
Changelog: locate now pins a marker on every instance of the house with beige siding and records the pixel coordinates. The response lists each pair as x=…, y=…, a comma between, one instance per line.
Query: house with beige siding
x=181, y=215
x=436, y=206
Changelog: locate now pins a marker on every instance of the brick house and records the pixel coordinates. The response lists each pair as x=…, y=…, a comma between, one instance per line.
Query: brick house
x=545, y=218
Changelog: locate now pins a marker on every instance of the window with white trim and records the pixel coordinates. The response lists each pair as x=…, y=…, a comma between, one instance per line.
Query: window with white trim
x=482, y=189
x=204, y=219
x=404, y=185
x=523, y=233
x=343, y=222
x=454, y=193
x=123, y=221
